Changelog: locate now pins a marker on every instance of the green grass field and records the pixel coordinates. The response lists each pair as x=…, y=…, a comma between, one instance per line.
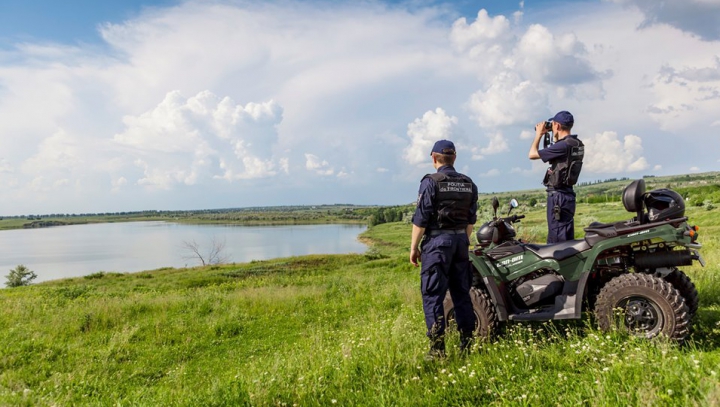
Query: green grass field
x=331, y=330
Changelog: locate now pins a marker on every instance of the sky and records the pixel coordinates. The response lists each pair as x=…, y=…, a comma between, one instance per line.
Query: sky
x=201, y=104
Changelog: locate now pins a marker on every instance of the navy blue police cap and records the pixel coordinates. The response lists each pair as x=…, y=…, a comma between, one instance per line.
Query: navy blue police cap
x=564, y=118
x=443, y=147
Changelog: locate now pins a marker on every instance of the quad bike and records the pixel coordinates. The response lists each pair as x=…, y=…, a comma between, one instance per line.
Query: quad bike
x=626, y=272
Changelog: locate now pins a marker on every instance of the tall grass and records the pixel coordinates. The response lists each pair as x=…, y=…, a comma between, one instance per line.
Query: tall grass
x=328, y=330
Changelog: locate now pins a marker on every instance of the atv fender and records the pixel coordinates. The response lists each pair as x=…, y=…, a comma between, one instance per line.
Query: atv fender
x=497, y=298
x=574, y=293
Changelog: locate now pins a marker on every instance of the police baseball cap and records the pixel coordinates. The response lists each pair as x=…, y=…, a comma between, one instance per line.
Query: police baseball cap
x=443, y=147
x=563, y=118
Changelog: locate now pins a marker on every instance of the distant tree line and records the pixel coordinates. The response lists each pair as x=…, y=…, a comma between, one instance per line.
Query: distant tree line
x=346, y=211
x=386, y=214
x=586, y=183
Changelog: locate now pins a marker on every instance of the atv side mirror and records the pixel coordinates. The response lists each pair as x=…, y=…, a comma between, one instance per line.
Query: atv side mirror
x=513, y=204
x=495, y=206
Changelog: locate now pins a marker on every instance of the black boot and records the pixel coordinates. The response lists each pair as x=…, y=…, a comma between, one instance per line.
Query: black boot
x=466, y=341
x=437, y=349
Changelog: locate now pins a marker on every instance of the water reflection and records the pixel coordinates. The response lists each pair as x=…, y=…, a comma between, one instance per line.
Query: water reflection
x=71, y=251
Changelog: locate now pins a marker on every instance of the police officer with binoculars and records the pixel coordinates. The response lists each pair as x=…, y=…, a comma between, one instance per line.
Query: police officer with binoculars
x=565, y=157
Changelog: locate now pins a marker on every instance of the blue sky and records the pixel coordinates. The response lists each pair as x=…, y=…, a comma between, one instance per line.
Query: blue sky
x=114, y=106
x=65, y=21
x=77, y=20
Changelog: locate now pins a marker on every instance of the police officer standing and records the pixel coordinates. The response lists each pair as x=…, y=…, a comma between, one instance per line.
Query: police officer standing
x=565, y=157
x=444, y=219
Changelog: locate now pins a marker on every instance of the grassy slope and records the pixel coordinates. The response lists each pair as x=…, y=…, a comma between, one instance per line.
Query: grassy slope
x=315, y=330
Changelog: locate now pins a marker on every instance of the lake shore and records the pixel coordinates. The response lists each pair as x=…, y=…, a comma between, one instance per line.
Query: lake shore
x=81, y=249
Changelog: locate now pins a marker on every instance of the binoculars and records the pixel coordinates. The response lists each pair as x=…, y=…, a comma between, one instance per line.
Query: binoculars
x=547, y=139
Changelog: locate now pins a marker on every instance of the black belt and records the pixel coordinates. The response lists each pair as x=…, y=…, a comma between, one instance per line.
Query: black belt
x=554, y=191
x=447, y=232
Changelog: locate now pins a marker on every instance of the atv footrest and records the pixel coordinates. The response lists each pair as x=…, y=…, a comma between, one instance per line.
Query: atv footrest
x=564, y=308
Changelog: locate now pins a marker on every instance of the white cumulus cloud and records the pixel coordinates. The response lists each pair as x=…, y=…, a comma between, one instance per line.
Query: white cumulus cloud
x=183, y=140
x=552, y=59
x=487, y=39
x=607, y=153
x=317, y=165
x=425, y=131
x=509, y=100
x=520, y=73
x=497, y=144
x=527, y=135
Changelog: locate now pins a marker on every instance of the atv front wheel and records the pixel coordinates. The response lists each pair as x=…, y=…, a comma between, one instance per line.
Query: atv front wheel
x=647, y=306
x=486, y=320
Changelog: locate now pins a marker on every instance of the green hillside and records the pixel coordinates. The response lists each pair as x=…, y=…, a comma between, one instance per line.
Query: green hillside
x=331, y=330
x=699, y=189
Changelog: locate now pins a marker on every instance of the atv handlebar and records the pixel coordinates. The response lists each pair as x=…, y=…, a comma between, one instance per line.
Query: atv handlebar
x=511, y=219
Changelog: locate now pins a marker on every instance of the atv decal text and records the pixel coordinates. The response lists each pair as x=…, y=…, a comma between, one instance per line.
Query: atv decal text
x=642, y=232
x=511, y=261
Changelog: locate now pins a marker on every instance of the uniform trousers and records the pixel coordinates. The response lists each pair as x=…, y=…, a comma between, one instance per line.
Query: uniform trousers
x=560, y=216
x=446, y=265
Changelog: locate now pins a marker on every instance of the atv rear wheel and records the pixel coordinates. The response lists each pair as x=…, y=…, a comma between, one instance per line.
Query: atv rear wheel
x=486, y=320
x=649, y=306
x=687, y=289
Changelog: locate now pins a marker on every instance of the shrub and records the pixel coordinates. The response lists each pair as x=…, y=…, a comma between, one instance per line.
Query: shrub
x=20, y=276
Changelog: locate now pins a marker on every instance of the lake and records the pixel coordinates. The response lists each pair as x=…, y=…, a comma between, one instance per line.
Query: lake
x=78, y=250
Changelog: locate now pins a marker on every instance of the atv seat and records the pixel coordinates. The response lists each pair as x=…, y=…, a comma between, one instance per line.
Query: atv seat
x=599, y=225
x=612, y=229
x=609, y=229
x=559, y=251
x=597, y=231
